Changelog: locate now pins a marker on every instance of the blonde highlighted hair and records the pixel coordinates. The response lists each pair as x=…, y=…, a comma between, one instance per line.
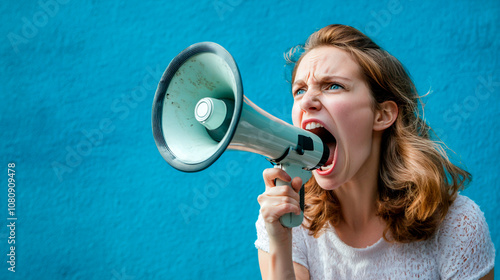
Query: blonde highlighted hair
x=417, y=181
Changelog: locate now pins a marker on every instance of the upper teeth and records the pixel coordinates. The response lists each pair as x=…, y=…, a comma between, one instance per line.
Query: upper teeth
x=313, y=125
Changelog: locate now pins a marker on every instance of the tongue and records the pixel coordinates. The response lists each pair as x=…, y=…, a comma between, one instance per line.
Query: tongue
x=331, y=147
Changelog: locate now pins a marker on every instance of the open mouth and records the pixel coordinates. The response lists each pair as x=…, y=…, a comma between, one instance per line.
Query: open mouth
x=328, y=139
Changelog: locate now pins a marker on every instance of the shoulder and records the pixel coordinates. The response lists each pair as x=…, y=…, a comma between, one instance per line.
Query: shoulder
x=464, y=218
x=464, y=242
x=462, y=210
x=464, y=222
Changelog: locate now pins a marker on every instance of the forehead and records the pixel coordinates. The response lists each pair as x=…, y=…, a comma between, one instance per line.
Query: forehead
x=327, y=60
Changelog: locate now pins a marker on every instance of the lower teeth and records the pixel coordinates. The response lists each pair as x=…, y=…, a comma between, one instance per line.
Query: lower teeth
x=323, y=168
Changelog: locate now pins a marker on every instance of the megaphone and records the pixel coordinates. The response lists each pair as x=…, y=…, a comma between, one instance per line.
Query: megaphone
x=199, y=111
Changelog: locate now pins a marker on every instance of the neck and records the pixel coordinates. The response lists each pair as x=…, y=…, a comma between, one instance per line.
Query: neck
x=358, y=204
x=358, y=196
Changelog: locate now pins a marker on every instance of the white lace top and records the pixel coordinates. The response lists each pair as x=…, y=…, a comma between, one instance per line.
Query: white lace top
x=460, y=249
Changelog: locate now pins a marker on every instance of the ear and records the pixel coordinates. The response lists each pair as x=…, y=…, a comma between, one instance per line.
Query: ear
x=385, y=115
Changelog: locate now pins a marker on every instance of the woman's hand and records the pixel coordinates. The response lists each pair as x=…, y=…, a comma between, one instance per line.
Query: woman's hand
x=277, y=201
x=274, y=203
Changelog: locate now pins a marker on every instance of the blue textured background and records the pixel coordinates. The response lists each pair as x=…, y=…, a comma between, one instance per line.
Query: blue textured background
x=95, y=200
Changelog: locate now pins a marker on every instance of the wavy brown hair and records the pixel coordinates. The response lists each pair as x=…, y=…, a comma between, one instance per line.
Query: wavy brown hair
x=417, y=182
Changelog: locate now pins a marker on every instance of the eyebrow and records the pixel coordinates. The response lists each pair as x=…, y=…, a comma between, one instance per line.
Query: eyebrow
x=325, y=78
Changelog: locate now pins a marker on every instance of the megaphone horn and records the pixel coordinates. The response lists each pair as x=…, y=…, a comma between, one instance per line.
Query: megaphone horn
x=199, y=111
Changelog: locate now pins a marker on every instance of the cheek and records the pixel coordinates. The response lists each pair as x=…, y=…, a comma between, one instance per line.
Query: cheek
x=296, y=115
x=356, y=119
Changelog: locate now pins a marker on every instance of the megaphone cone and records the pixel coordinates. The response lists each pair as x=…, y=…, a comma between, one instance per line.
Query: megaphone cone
x=199, y=111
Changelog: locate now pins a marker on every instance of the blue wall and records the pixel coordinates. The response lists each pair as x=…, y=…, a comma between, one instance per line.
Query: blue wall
x=94, y=198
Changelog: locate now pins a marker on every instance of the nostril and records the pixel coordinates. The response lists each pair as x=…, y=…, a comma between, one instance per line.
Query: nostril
x=310, y=105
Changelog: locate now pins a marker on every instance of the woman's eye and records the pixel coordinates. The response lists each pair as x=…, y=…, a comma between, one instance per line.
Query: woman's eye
x=334, y=87
x=299, y=92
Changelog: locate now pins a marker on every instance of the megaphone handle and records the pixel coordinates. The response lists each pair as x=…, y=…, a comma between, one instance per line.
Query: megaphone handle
x=290, y=220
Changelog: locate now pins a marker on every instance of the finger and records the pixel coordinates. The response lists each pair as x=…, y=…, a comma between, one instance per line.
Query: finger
x=277, y=201
x=278, y=211
x=270, y=174
x=272, y=208
x=274, y=201
x=297, y=184
x=282, y=191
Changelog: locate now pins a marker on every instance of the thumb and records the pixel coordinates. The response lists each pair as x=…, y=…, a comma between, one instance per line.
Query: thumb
x=296, y=184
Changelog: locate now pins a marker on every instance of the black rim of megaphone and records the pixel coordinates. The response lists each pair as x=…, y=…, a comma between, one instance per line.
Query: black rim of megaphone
x=169, y=73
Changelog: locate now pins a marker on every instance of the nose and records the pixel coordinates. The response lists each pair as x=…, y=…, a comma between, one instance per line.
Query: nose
x=310, y=101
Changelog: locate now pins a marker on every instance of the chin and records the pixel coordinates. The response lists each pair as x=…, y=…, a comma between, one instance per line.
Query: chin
x=326, y=183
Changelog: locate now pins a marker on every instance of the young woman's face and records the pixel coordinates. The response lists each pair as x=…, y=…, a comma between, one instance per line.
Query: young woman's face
x=332, y=100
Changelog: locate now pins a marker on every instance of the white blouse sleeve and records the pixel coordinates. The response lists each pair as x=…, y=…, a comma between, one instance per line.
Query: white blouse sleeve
x=464, y=246
x=262, y=241
x=299, y=252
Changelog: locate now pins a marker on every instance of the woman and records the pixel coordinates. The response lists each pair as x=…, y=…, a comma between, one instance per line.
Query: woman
x=385, y=205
